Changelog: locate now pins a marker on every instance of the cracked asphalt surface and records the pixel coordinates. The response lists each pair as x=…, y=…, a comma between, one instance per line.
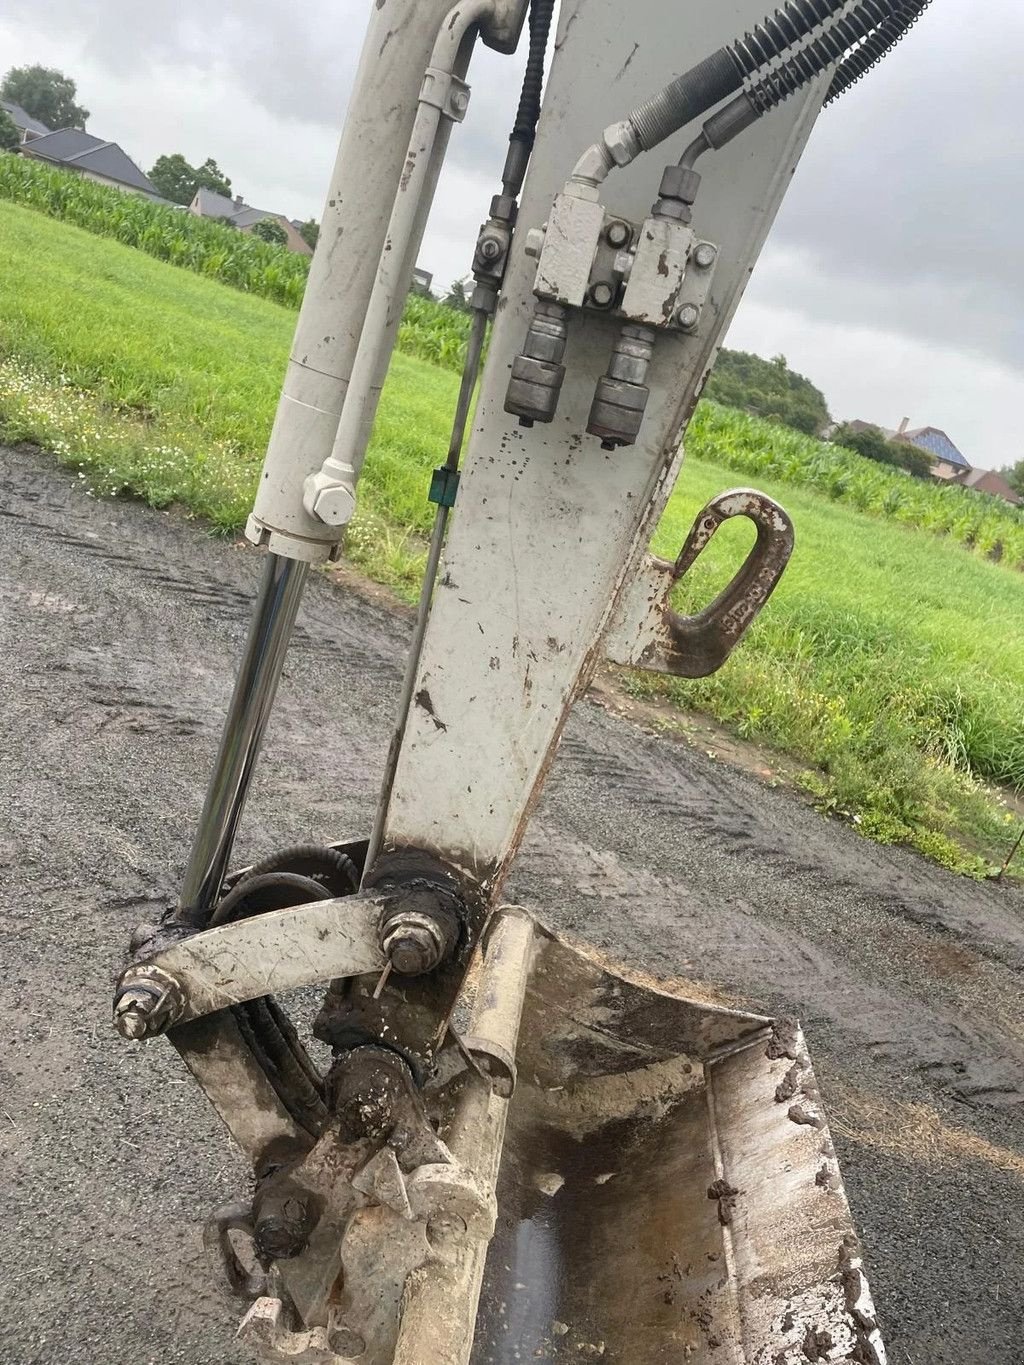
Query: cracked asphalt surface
x=120, y=628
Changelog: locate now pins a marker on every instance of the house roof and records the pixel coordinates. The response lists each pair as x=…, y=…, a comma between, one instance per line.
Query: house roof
x=990, y=481
x=22, y=120
x=81, y=151
x=210, y=204
x=937, y=443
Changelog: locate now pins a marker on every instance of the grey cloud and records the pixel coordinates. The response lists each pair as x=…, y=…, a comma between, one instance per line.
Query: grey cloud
x=906, y=211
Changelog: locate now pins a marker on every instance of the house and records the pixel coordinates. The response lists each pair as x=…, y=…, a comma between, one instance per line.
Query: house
x=236, y=213
x=27, y=126
x=947, y=461
x=987, y=481
x=91, y=157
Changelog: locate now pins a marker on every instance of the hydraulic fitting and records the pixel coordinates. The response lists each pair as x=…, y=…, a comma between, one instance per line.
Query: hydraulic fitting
x=621, y=395
x=537, y=372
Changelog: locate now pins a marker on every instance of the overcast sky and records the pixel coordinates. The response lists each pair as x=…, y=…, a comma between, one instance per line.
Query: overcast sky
x=893, y=278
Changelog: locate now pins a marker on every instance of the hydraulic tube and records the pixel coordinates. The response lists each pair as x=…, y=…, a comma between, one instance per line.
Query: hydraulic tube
x=363, y=187
x=329, y=492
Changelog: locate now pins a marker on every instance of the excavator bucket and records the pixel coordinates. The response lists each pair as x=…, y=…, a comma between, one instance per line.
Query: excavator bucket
x=668, y=1189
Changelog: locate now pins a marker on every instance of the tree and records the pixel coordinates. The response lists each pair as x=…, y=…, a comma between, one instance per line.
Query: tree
x=46, y=94
x=309, y=231
x=873, y=444
x=768, y=388
x=456, y=297
x=178, y=181
x=1014, y=476
x=10, y=138
x=209, y=176
x=270, y=230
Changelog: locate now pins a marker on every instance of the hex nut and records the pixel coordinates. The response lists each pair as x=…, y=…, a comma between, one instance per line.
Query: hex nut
x=534, y=242
x=705, y=255
x=601, y=294
x=622, y=143
x=412, y=945
x=688, y=316
x=618, y=233
x=331, y=502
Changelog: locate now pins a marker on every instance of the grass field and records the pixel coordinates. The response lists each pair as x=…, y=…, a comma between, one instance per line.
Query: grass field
x=890, y=662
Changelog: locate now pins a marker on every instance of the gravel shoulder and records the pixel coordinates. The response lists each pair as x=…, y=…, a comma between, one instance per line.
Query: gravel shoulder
x=119, y=632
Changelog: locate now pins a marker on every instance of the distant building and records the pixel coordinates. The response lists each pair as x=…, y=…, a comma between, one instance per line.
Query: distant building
x=236, y=213
x=27, y=126
x=421, y=280
x=949, y=464
x=947, y=461
x=92, y=158
x=988, y=481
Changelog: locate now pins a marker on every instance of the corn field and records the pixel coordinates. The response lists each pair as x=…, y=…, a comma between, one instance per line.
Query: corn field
x=758, y=449
x=429, y=330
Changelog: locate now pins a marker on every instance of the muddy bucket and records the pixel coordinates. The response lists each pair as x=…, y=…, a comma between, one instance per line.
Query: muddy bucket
x=668, y=1190
x=622, y=1171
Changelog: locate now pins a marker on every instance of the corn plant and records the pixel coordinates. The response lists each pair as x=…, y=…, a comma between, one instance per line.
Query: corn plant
x=759, y=449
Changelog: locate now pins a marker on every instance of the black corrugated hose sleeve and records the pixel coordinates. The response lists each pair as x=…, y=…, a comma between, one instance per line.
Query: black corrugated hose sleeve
x=691, y=95
x=528, y=114
x=873, y=49
x=869, y=17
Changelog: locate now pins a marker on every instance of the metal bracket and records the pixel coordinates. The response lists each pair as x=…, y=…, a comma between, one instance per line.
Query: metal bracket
x=264, y=955
x=445, y=92
x=444, y=486
x=645, y=632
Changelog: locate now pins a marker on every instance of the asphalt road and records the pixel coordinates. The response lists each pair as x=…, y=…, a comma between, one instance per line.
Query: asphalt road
x=119, y=631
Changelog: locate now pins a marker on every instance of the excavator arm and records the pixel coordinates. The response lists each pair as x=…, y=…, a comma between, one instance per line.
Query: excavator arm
x=518, y=1150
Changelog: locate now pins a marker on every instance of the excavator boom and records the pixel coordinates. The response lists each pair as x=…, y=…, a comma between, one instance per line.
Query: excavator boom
x=518, y=1150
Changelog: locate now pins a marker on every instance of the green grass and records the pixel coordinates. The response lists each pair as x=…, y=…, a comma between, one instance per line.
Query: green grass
x=977, y=521
x=208, y=248
x=890, y=663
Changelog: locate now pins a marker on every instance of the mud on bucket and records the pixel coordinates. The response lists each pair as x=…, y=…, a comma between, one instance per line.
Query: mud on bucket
x=667, y=1191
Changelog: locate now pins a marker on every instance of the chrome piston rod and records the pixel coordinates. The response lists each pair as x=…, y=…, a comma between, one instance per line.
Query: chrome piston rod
x=253, y=696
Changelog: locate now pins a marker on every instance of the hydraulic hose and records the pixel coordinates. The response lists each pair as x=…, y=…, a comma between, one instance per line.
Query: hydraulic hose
x=870, y=30
x=878, y=45
x=830, y=47
x=720, y=75
x=524, y=129
x=692, y=94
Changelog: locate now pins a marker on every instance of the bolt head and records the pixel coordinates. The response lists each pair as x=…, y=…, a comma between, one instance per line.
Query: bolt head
x=688, y=316
x=602, y=294
x=705, y=255
x=534, y=242
x=331, y=502
x=617, y=234
x=490, y=248
x=412, y=952
x=460, y=101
